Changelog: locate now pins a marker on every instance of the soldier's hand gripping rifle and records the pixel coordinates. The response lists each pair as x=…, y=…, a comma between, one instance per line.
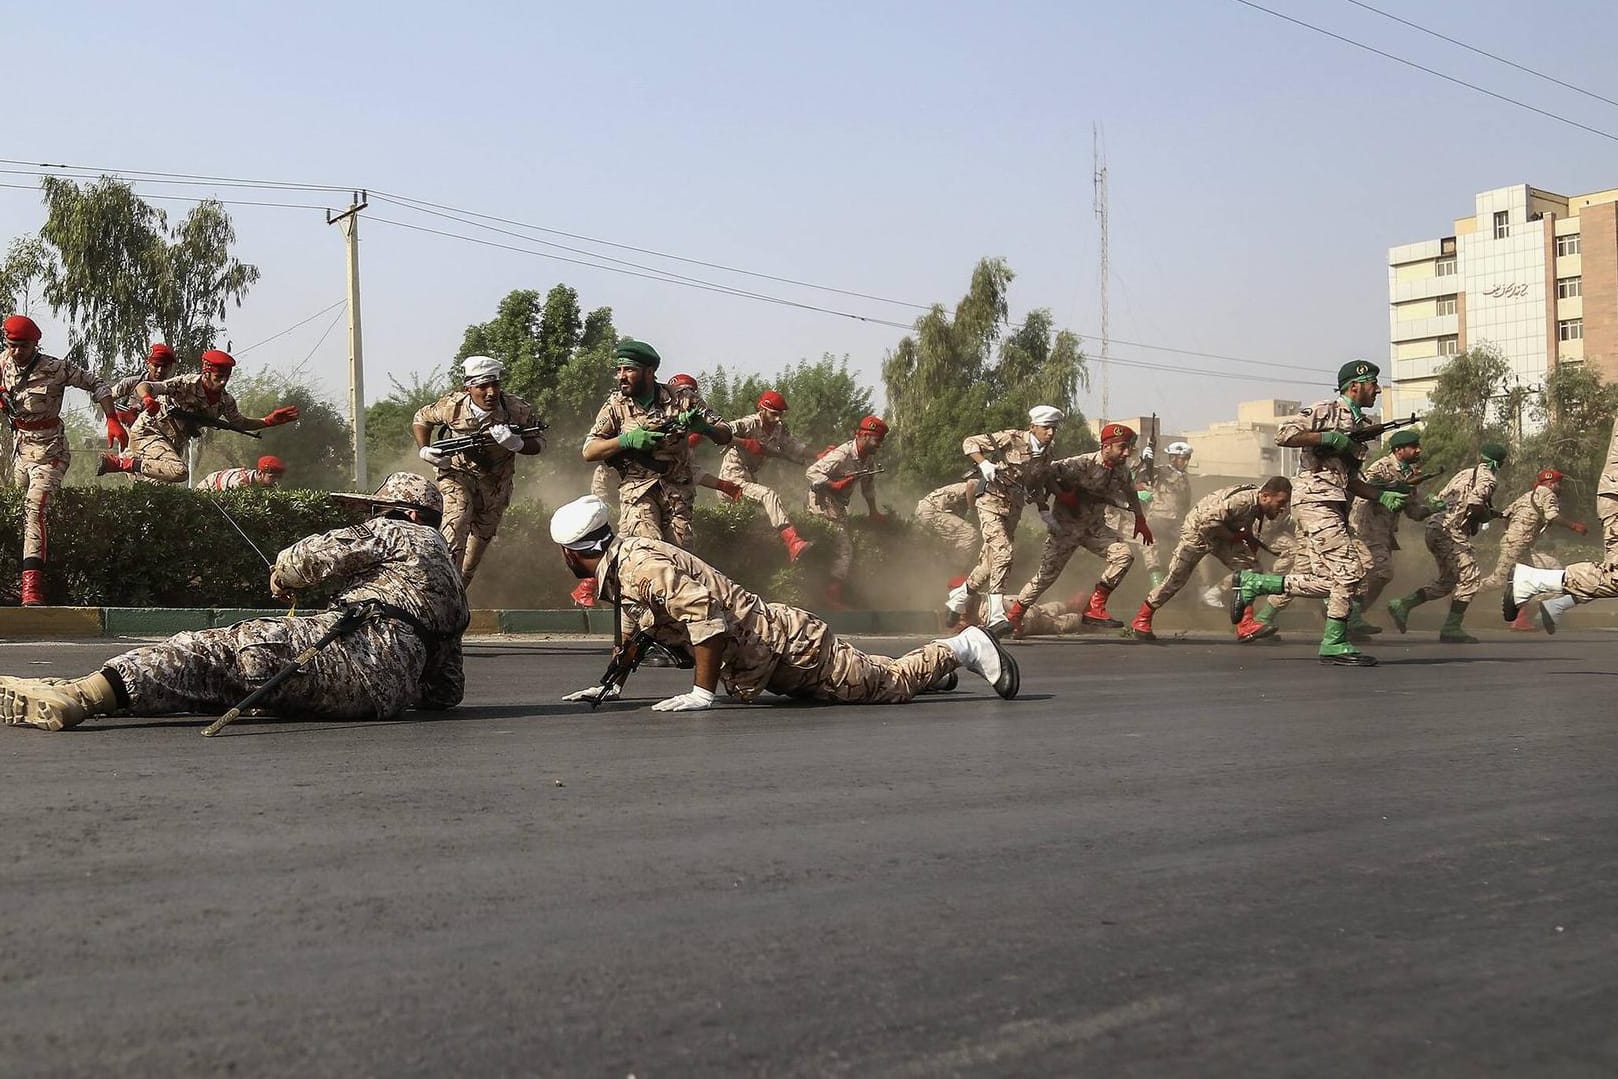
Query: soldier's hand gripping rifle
x=202, y=419
x=347, y=622
x=663, y=431
x=625, y=658
x=478, y=440
x=842, y=483
x=1377, y=430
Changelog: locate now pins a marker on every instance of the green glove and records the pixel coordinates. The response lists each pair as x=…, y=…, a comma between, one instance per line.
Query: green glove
x=1144, y=496
x=1392, y=501
x=639, y=438
x=692, y=420
x=1335, y=442
x=1435, y=503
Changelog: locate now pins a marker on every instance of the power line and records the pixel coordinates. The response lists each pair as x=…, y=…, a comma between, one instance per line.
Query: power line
x=1431, y=71
x=1483, y=52
x=237, y=180
x=193, y=198
x=289, y=329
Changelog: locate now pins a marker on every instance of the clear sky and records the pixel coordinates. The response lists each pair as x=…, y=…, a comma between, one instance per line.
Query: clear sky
x=1258, y=172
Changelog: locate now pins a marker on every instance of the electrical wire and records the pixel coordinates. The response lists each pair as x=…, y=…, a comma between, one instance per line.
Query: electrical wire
x=289, y=329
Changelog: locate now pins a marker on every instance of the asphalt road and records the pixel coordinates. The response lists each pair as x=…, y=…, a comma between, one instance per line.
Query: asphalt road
x=1185, y=859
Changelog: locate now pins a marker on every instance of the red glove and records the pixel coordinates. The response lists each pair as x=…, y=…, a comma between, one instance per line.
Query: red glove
x=585, y=594
x=116, y=435
x=278, y=416
x=693, y=440
x=1580, y=527
x=1143, y=530
x=1244, y=536
x=751, y=445
x=127, y=416
x=1070, y=499
x=729, y=489
x=842, y=484
x=149, y=403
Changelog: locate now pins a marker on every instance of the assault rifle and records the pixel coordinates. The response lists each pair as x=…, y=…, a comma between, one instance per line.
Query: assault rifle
x=202, y=419
x=670, y=428
x=625, y=658
x=1377, y=430
x=477, y=440
x=862, y=474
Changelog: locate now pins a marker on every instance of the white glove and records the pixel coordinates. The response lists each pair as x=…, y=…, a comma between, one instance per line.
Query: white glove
x=431, y=455
x=1050, y=520
x=697, y=700
x=503, y=434
x=596, y=693
x=988, y=469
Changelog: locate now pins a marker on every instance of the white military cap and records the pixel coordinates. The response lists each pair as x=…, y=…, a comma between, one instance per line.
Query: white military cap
x=581, y=524
x=1045, y=416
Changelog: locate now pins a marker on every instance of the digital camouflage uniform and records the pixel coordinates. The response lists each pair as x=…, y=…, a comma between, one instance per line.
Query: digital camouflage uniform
x=1375, y=529
x=1083, y=486
x=157, y=443
x=378, y=670
x=1526, y=520
x=1467, y=505
x=1231, y=508
x=740, y=466
x=39, y=453
x=831, y=505
x=767, y=646
x=476, y=485
x=657, y=487
x=1328, y=560
x=943, y=512
x=1020, y=474
x=1171, y=501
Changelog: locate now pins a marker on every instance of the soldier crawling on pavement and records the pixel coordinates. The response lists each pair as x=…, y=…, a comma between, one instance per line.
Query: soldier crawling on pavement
x=1376, y=529
x=1225, y=524
x=753, y=645
x=158, y=441
x=31, y=389
x=830, y=477
x=476, y=484
x=1528, y=518
x=754, y=438
x=268, y=474
x=1015, y=466
x=403, y=652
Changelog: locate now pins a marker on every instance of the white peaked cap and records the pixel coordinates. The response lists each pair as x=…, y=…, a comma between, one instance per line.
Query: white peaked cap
x=1045, y=416
x=580, y=518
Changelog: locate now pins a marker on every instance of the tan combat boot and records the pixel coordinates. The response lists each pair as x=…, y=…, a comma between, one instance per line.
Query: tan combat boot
x=54, y=705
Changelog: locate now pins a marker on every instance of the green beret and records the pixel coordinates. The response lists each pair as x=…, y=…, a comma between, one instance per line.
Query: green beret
x=1356, y=371
x=1407, y=437
x=632, y=353
x=1494, y=453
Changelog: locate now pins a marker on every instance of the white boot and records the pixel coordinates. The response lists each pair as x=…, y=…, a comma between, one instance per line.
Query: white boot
x=994, y=614
x=1214, y=596
x=1523, y=583
x=958, y=599
x=982, y=655
x=1552, y=610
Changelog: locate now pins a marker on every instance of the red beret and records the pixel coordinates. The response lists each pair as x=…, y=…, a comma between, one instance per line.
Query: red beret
x=214, y=358
x=21, y=328
x=873, y=425
x=1548, y=475
x=269, y=463
x=773, y=401
x=162, y=352
x=683, y=380
x=1116, y=432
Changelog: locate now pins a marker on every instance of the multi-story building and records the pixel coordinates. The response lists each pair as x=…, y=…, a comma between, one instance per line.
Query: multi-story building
x=1245, y=447
x=1532, y=273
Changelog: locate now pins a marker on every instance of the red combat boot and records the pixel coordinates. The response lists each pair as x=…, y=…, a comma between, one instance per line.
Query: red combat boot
x=111, y=462
x=1522, y=624
x=33, y=588
x=796, y=544
x=1096, y=613
x=1141, y=627
x=1250, y=628
x=1014, y=615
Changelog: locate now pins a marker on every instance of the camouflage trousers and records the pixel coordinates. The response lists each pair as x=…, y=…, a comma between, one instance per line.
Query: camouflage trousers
x=661, y=512
x=474, y=503
x=1049, y=619
x=1166, y=533
x=1376, y=555
x=849, y=676
x=1190, y=551
x=158, y=459
x=994, y=561
x=1609, y=537
x=1100, y=540
x=774, y=509
x=1585, y=581
x=842, y=546
x=1514, y=547
x=371, y=673
x=961, y=537
x=1327, y=559
x=38, y=469
x=1457, y=568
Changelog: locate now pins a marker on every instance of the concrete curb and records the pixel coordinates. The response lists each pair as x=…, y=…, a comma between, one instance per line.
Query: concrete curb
x=81, y=622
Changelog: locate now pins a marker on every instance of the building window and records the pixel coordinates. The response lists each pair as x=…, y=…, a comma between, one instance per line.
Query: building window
x=1449, y=346
x=1569, y=288
x=1567, y=245
x=1570, y=329
x=1444, y=267
x=1502, y=228
x=1446, y=305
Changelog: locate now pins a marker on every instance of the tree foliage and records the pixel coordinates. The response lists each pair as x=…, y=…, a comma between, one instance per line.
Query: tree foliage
x=317, y=450
x=387, y=422
x=22, y=275
x=824, y=400
x=1465, y=407
x=1574, y=412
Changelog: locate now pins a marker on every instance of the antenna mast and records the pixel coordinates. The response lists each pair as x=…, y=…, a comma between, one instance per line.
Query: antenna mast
x=1100, y=207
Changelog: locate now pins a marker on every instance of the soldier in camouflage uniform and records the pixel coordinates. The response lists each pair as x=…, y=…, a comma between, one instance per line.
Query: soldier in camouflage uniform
x=943, y=513
x=1375, y=529
x=159, y=362
x=753, y=645
x=1168, y=500
x=831, y=476
x=476, y=485
x=31, y=388
x=405, y=652
x=1014, y=465
x=1467, y=504
x=754, y=438
x=268, y=474
x=1527, y=519
x=1225, y=524
x=640, y=431
x=1328, y=476
x=159, y=438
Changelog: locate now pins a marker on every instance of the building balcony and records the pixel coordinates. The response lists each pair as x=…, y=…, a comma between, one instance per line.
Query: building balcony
x=1417, y=328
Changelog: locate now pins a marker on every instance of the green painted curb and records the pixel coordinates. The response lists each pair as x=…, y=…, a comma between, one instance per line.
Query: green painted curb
x=229, y=616
x=908, y=621
x=542, y=622
x=154, y=621
x=600, y=620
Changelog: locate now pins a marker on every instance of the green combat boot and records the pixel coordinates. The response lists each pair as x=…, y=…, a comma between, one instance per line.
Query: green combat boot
x=1335, y=649
x=1401, y=607
x=1247, y=585
x=1358, y=628
x=1452, y=633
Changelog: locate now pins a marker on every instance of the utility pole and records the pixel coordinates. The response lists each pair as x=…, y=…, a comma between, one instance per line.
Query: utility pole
x=349, y=222
x=1106, y=272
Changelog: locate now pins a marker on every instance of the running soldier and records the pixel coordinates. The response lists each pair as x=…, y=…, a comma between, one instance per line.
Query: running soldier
x=1607, y=499
x=476, y=485
x=1581, y=582
x=159, y=438
x=753, y=439
x=753, y=645
x=1168, y=500
x=1376, y=530
x=404, y=652
x=943, y=513
x=159, y=361
x=268, y=474
x=1225, y=524
x=1328, y=475
x=1527, y=519
x=1015, y=466
x=1084, y=486
x=1467, y=506
x=830, y=477
x=31, y=389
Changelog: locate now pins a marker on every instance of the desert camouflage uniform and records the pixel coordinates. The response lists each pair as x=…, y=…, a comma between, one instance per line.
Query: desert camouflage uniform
x=378, y=670
x=1233, y=508
x=656, y=488
x=476, y=485
x=1021, y=474
x=1050, y=619
x=1171, y=501
x=228, y=479
x=1450, y=530
x=767, y=646
x=1526, y=520
x=39, y=453
x=1084, y=487
x=1607, y=500
x=740, y=466
x=1327, y=560
x=943, y=512
x=1376, y=530
x=831, y=504
x=158, y=442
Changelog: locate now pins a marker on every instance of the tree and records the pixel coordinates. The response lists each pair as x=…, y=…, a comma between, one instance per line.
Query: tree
x=1465, y=407
x=123, y=276
x=387, y=422
x=825, y=402
x=22, y=275
x=1575, y=412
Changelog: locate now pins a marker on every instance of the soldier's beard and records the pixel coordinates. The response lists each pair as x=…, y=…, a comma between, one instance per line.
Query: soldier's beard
x=580, y=570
